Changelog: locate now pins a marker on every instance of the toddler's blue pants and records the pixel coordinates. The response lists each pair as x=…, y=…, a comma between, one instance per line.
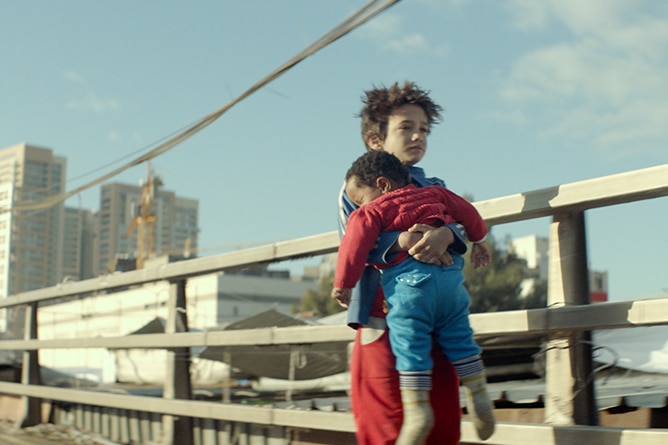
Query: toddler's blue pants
x=426, y=301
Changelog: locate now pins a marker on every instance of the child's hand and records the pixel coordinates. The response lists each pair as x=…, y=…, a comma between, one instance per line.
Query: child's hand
x=342, y=296
x=480, y=255
x=433, y=246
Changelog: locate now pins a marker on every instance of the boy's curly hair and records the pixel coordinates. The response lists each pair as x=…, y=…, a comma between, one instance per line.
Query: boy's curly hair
x=374, y=164
x=379, y=102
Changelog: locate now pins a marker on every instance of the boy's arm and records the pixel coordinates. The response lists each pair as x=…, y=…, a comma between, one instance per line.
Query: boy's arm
x=429, y=244
x=430, y=240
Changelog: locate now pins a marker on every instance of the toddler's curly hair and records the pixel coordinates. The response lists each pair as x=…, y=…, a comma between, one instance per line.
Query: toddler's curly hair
x=374, y=164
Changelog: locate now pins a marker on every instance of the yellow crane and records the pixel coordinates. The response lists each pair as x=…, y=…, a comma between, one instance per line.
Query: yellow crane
x=144, y=220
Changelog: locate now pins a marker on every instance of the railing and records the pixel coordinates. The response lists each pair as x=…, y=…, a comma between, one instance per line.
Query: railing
x=566, y=322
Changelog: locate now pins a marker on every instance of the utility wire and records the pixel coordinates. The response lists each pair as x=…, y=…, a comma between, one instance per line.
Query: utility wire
x=360, y=17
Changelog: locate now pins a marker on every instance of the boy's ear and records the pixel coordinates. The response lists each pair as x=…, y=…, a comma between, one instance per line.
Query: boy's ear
x=373, y=141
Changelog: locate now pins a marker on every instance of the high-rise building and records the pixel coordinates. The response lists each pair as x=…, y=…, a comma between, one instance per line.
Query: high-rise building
x=31, y=235
x=78, y=244
x=174, y=225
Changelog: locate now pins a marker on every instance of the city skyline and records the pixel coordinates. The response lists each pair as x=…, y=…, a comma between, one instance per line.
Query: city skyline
x=46, y=246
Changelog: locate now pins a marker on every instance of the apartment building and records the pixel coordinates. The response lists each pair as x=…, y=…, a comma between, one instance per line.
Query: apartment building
x=31, y=234
x=174, y=225
x=78, y=245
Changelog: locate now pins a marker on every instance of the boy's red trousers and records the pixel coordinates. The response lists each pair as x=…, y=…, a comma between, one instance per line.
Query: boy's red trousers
x=376, y=400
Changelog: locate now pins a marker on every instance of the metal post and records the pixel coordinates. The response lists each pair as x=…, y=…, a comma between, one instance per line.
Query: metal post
x=227, y=381
x=570, y=397
x=177, y=431
x=30, y=372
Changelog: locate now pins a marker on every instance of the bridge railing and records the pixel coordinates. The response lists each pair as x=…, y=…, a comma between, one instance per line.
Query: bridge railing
x=570, y=409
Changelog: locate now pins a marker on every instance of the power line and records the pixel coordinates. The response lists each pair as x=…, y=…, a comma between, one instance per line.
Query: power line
x=360, y=17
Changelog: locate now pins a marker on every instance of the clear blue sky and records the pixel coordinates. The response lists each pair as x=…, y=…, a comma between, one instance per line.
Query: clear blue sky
x=536, y=94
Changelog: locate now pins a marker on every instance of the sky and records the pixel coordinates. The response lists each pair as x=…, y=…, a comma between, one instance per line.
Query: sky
x=535, y=94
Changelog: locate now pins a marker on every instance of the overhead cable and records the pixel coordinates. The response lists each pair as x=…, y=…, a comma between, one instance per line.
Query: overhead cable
x=370, y=10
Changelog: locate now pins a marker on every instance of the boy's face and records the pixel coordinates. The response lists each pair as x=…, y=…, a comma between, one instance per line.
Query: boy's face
x=407, y=131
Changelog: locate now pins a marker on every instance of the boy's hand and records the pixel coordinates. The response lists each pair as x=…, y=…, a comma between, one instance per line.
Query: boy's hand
x=432, y=246
x=480, y=255
x=342, y=296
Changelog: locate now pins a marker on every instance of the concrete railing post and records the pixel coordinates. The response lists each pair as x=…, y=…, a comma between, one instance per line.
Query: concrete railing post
x=570, y=395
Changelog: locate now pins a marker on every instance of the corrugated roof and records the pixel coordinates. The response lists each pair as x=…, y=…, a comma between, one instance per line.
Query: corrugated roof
x=309, y=361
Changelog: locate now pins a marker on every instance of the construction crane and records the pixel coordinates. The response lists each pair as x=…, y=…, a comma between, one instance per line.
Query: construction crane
x=144, y=220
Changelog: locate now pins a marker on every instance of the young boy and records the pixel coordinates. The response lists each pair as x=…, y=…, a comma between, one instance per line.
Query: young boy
x=423, y=299
x=397, y=120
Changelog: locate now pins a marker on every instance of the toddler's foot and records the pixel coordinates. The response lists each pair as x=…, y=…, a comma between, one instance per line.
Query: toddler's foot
x=481, y=410
x=479, y=406
x=418, y=417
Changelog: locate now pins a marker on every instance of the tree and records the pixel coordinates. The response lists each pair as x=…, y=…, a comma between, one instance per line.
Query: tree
x=537, y=298
x=320, y=302
x=495, y=287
